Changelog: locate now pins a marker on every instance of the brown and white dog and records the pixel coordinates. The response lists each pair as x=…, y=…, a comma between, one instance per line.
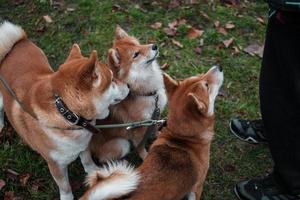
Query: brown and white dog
x=134, y=64
x=85, y=86
x=178, y=160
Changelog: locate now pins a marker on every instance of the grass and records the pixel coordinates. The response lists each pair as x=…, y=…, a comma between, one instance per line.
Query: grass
x=92, y=24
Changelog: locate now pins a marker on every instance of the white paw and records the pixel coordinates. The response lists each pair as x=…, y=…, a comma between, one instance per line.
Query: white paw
x=66, y=196
x=192, y=196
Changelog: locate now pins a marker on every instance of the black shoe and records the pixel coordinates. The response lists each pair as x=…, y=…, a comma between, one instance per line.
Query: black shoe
x=262, y=189
x=248, y=131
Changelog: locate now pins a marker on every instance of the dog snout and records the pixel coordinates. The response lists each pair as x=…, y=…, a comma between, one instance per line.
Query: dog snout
x=154, y=47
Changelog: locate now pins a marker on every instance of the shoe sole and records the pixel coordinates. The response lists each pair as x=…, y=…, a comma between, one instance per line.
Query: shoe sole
x=237, y=194
x=240, y=138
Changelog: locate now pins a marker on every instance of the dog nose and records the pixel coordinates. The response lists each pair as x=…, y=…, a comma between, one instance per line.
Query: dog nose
x=220, y=68
x=154, y=47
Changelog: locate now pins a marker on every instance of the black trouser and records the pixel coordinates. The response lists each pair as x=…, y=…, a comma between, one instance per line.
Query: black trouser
x=280, y=97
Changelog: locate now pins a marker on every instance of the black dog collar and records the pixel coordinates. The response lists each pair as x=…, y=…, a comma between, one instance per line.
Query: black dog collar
x=72, y=117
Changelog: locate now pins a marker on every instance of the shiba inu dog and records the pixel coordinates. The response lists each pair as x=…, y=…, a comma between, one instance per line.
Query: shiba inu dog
x=178, y=160
x=84, y=85
x=134, y=64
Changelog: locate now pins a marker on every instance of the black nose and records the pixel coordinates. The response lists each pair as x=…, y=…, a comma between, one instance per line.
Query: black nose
x=154, y=47
x=220, y=68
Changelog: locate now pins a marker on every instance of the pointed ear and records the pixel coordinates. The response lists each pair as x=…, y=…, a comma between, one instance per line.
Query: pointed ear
x=75, y=53
x=113, y=58
x=90, y=75
x=120, y=33
x=170, y=84
x=197, y=102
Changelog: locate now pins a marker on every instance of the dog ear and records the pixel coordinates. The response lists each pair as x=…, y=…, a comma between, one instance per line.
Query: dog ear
x=90, y=75
x=170, y=84
x=198, y=103
x=120, y=33
x=113, y=58
x=75, y=53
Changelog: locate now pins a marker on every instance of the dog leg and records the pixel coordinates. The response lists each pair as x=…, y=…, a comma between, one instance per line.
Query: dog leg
x=114, y=149
x=87, y=161
x=1, y=112
x=60, y=175
x=142, y=153
x=197, y=191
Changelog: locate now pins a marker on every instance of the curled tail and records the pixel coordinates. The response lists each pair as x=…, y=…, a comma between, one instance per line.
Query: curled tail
x=113, y=181
x=10, y=34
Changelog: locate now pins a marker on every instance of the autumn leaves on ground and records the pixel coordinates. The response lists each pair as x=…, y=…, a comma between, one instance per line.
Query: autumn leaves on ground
x=192, y=36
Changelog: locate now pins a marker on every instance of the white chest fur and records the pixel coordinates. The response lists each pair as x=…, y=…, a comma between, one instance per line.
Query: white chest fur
x=68, y=144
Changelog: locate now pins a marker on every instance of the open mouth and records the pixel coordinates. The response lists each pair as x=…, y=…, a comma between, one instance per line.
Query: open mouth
x=152, y=59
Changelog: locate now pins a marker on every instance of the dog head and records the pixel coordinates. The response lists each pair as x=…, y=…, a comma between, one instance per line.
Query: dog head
x=135, y=63
x=87, y=86
x=191, y=101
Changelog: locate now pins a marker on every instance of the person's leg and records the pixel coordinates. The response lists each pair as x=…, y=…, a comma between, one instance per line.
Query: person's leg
x=280, y=108
x=280, y=98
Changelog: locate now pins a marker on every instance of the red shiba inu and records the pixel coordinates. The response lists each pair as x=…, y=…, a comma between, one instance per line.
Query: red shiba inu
x=134, y=64
x=85, y=86
x=178, y=160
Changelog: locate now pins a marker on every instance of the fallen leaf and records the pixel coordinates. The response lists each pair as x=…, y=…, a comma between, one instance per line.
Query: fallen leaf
x=181, y=21
x=217, y=23
x=174, y=4
x=169, y=31
x=156, y=25
x=194, y=33
x=177, y=43
x=116, y=8
x=2, y=184
x=198, y=50
x=228, y=42
x=36, y=184
x=261, y=20
x=231, y=2
x=57, y=3
x=204, y=15
x=165, y=66
x=47, y=18
x=236, y=50
x=255, y=49
x=229, y=25
x=191, y=2
x=18, y=2
x=173, y=24
x=24, y=177
x=222, y=31
x=229, y=168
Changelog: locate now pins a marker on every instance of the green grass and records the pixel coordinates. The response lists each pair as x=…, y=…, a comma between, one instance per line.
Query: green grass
x=92, y=25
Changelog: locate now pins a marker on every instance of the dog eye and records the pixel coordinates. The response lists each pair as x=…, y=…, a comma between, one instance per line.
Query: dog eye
x=136, y=54
x=206, y=85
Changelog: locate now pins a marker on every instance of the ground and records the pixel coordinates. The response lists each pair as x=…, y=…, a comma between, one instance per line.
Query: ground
x=91, y=24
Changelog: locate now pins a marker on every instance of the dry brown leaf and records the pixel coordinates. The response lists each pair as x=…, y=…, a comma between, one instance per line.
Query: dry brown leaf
x=24, y=177
x=194, y=33
x=217, y=23
x=2, y=184
x=204, y=15
x=255, y=49
x=173, y=24
x=222, y=30
x=177, y=43
x=170, y=32
x=198, y=50
x=165, y=66
x=261, y=20
x=116, y=8
x=181, y=21
x=47, y=19
x=229, y=25
x=156, y=25
x=236, y=50
x=228, y=42
x=174, y=4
